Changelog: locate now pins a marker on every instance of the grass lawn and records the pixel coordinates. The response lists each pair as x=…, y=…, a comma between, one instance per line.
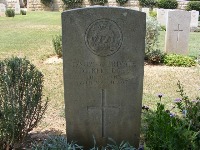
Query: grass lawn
x=30, y=36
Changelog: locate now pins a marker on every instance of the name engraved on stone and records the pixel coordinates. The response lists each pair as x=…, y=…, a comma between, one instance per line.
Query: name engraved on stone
x=103, y=37
x=97, y=74
x=102, y=109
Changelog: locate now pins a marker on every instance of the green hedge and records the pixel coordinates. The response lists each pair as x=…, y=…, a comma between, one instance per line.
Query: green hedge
x=195, y=5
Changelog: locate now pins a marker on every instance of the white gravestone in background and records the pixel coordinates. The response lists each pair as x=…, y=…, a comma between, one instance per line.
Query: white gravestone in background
x=136, y=8
x=177, y=32
x=194, y=18
x=2, y=9
x=146, y=10
x=162, y=16
x=17, y=9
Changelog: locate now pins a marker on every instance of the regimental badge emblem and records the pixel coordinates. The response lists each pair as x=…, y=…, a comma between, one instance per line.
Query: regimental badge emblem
x=103, y=37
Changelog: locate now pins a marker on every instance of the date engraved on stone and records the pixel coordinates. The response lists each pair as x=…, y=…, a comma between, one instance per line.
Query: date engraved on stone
x=103, y=37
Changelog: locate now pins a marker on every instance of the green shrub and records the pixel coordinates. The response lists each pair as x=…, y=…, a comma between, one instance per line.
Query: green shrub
x=153, y=14
x=193, y=6
x=57, y=44
x=21, y=106
x=46, y=2
x=148, y=3
x=121, y=2
x=60, y=143
x=166, y=130
x=23, y=12
x=152, y=32
x=179, y=60
x=155, y=57
x=10, y=13
x=98, y=2
x=167, y=4
x=70, y=4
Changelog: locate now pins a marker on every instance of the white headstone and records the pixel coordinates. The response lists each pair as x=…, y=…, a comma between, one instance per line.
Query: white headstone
x=135, y=8
x=146, y=10
x=162, y=16
x=2, y=9
x=17, y=9
x=155, y=9
x=177, y=32
x=194, y=18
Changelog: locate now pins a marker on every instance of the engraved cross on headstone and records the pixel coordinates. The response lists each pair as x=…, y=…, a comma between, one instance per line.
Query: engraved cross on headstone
x=102, y=108
x=178, y=34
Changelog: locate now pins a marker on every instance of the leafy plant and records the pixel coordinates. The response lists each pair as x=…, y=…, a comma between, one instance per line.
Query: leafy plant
x=123, y=145
x=195, y=5
x=190, y=110
x=21, y=106
x=153, y=14
x=121, y=2
x=148, y=3
x=10, y=13
x=23, y=12
x=98, y=2
x=56, y=143
x=167, y=131
x=155, y=57
x=57, y=44
x=152, y=32
x=60, y=143
x=179, y=60
x=167, y=4
x=70, y=4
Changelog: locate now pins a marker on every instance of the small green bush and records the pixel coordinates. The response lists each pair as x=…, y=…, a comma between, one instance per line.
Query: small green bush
x=167, y=131
x=152, y=33
x=167, y=4
x=148, y=3
x=57, y=44
x=23, y=12
x=179, y=60
x=10, y=13
x=153, y=14
x=70, y=4
x=98, y=2
x=21, y=106
x=121, y=2
x=155, y=57
x=193, y=6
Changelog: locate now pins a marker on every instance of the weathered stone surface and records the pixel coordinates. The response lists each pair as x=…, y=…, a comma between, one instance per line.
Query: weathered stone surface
x=17, y=9
x=103, y=53
x=2, y=9
x=177, y=32
x=146, y=10
x=194, y=18
x=162, y=15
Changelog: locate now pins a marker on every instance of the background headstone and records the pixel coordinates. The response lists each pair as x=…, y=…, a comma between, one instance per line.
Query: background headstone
x=194, y=18
x=177, y=32
x=155, y=9
x=2, y=9
x=17, y=9
x=162, y=15
x=103, y=62
x=146, y=10
x=135, y=8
